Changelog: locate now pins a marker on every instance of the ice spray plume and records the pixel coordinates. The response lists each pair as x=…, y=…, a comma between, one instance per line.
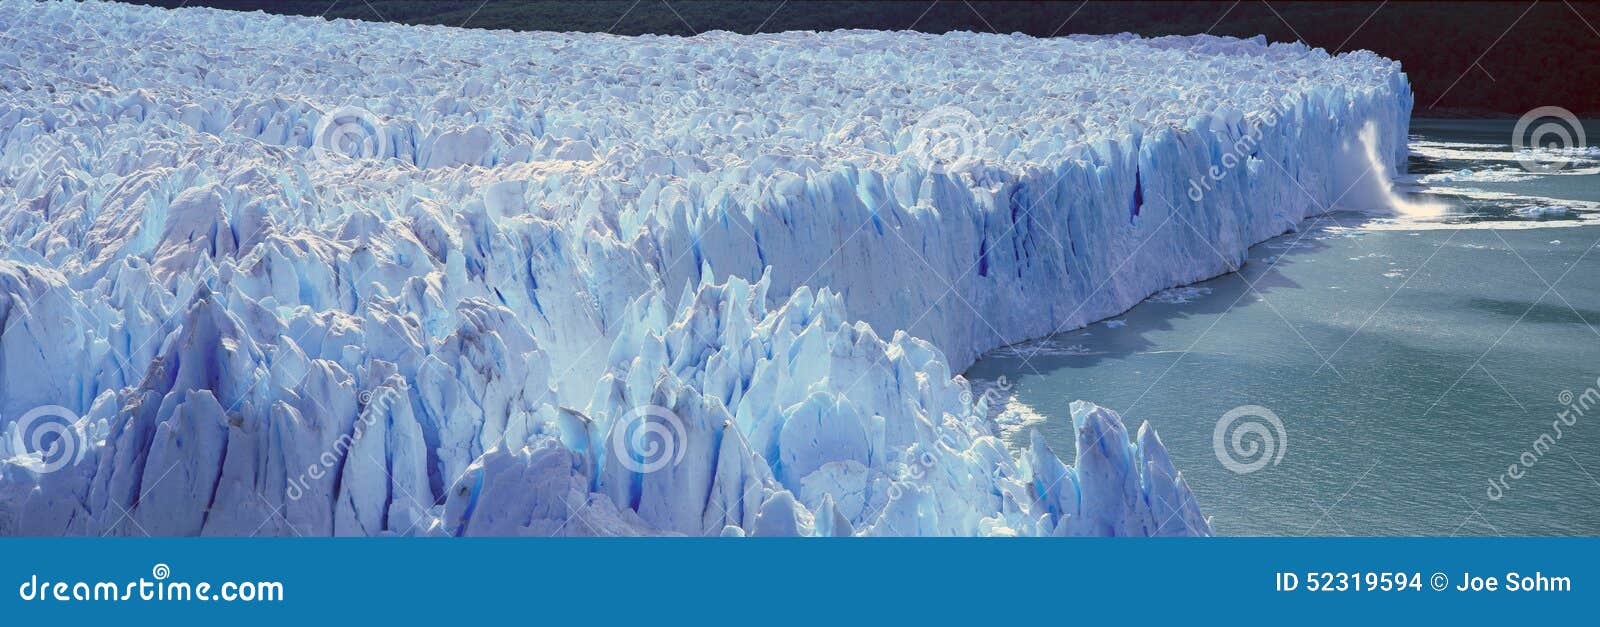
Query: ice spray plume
x=1381, y=195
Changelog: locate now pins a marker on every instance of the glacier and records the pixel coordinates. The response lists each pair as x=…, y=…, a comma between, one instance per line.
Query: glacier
x=268, y=275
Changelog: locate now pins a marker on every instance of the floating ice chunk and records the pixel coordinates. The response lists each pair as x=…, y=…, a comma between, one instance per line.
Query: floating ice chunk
x=1467, y=175
x=1542, y=211
x=1179, y=295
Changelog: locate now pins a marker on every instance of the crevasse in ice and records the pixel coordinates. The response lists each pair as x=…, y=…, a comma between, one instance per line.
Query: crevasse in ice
x=287, y=276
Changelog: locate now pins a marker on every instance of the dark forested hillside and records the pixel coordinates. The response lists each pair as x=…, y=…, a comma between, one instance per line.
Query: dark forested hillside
x=1464, y=58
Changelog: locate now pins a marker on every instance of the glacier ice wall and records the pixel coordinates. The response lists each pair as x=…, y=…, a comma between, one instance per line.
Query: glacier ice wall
x=278, y=275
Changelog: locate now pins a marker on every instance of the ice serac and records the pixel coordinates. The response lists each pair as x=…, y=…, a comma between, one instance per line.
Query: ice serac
x=290, y=276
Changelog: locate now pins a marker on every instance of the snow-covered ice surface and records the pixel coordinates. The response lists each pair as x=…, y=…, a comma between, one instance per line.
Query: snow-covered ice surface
x=293, y=276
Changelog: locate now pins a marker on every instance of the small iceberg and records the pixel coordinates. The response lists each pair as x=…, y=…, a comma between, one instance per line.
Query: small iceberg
x=1542, y=211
